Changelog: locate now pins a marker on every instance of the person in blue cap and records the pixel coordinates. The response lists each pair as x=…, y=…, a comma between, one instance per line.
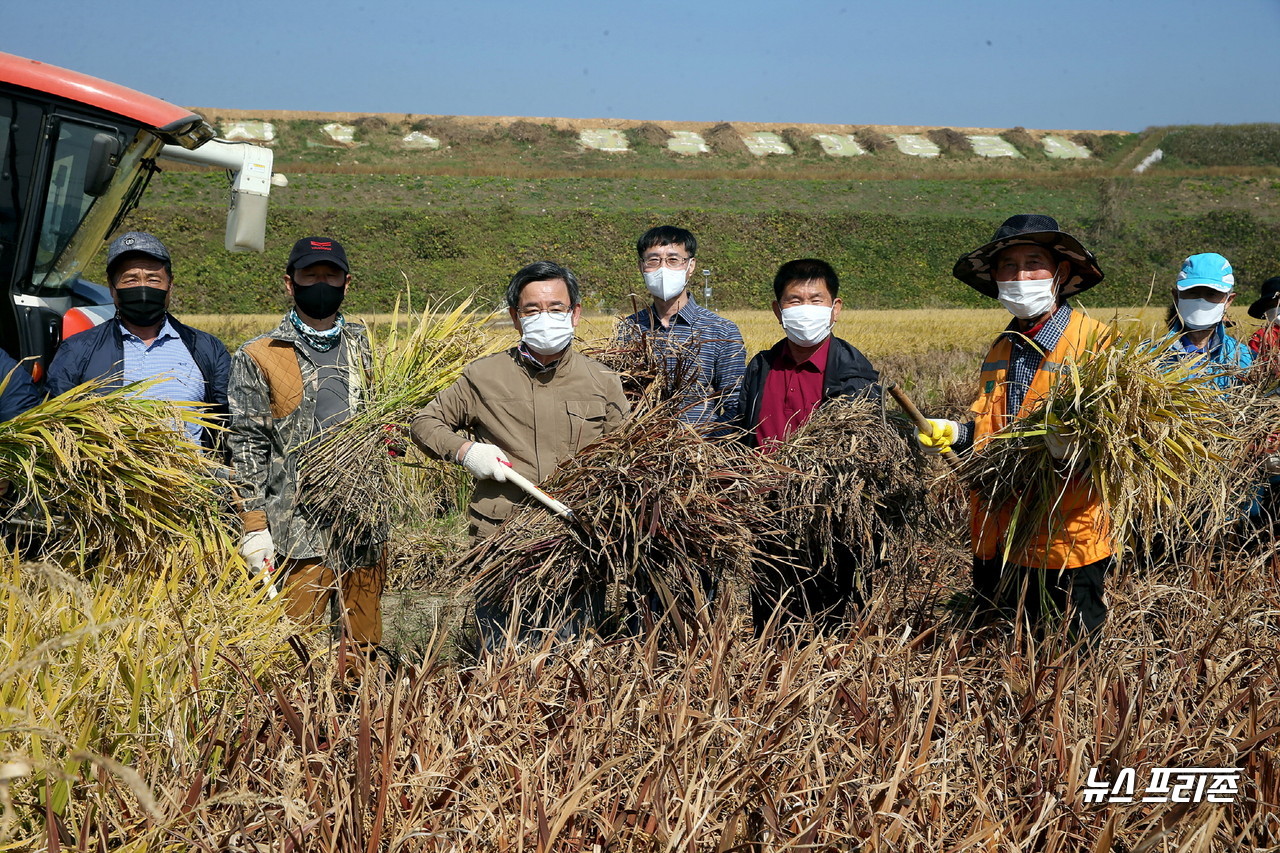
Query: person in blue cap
x=1204, y=290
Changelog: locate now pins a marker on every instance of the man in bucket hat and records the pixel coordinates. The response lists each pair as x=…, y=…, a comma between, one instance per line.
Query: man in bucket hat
x=1032, y=266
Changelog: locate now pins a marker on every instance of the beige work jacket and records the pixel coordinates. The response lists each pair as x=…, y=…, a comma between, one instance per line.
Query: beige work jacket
x=539, y=418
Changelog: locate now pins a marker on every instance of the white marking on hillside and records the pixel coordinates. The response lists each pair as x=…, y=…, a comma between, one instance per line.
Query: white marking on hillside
x=249, y=131
x=840, y=144
x=916, y=145
x=1149, y=161
x=763, y=143
x=604, y=139
x=1060, y=148
x=342, y=134
x=687, y=142
x=419, y=141
x=993, y=146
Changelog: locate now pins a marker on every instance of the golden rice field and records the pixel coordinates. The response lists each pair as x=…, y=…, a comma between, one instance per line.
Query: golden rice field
x=155, y=699
x=876, y=333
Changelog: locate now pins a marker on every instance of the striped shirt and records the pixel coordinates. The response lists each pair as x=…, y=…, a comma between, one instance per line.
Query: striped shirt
x=1025, y=357
x=166, y=357
x=715, y=349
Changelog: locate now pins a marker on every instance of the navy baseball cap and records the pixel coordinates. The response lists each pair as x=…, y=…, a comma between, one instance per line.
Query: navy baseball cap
x=139, y=242
x=314, y=250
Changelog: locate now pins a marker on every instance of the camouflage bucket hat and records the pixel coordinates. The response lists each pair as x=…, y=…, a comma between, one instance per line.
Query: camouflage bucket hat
x=1030, y=229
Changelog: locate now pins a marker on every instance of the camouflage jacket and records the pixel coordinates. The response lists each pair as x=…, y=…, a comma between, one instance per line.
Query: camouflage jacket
x=272, y=397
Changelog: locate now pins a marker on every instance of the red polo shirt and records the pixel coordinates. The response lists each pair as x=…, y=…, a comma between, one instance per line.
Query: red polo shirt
x=791, y=392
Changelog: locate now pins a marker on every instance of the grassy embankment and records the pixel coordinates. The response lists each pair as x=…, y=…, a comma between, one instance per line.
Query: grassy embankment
x=463, y=219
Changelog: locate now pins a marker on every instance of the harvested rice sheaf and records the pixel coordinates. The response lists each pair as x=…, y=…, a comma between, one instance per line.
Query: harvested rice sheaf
x=104, y=472
x=856, y=480
x=656, y=503
x=654, y=370
x=1145, y=424
x=348, y=476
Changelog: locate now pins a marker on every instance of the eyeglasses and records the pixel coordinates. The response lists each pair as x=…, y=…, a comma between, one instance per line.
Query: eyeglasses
x=532, y=311
x=672, y=263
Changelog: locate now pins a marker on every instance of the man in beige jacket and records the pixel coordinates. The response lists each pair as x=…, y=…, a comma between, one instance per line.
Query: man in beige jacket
x=530, y=409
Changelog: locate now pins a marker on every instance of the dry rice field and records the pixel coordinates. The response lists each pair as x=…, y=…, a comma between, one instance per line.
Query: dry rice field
x=155, y=699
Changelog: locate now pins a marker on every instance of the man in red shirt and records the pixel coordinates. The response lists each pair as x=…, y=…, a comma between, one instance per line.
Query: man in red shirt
x=781, y=389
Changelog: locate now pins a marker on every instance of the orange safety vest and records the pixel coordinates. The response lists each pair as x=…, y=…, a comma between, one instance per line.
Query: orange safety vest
x=1078, y=531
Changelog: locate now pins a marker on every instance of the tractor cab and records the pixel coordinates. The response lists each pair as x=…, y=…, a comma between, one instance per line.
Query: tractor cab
x=76, y=154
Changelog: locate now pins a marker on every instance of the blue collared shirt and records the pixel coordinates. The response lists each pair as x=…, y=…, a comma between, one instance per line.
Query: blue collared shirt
x=165, y=357
x=715, y=349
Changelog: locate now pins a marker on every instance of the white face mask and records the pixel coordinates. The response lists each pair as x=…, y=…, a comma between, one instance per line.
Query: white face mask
x=807, y=325
x=1200, y=314
x=547, y=333
x=665, y=284
x=1272, y=314
x=1027, y=299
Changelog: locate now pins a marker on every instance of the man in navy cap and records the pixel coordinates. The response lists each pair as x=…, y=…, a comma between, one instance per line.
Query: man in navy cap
x=144, y=341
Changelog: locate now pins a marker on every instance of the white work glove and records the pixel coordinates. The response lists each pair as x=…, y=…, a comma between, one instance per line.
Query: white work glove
x=486, y=462
x=258, y=550
x=1061, y=445
x=944, y=435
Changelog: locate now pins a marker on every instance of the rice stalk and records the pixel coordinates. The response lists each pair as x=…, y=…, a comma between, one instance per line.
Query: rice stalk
x=654, y=370
x=856, y=479
x=347, y=476
x=106, y=472
x=657, y=505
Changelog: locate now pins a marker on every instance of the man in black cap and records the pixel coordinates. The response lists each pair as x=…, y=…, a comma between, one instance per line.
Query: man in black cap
x=145, y=341
x=1031, y=266
x=287, y=386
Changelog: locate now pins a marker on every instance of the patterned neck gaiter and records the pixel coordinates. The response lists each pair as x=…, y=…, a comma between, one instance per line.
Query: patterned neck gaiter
x=318, y=341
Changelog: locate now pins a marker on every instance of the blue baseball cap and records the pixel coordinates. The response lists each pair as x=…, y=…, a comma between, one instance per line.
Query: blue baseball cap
x=1208, y=269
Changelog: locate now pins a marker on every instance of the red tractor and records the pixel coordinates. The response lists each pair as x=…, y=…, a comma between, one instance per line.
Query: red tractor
x=76, y=154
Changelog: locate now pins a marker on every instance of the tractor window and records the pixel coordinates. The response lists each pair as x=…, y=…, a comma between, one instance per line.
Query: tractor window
x=66, y=203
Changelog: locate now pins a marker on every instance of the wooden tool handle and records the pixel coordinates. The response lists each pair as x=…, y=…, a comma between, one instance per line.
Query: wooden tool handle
x=921, y=422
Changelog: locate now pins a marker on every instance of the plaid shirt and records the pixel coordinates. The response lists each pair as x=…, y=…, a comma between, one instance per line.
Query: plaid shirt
x=714, y=342
x=1025, y=358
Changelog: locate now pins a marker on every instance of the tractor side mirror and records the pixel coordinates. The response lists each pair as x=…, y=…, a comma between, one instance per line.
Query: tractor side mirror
x=104, y=156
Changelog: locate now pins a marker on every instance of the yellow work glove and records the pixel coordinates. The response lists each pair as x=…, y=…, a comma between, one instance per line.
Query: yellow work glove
x=944, y=435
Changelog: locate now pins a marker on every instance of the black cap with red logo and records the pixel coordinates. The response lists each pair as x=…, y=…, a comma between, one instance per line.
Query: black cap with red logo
x=314, y=250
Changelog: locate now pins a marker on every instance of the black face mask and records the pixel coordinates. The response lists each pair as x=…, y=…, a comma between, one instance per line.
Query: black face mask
x=141, y=305
x=319, y=300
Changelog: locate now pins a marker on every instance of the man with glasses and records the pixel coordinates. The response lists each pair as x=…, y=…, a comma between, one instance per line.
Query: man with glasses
x=686, y=334
x=528, y=409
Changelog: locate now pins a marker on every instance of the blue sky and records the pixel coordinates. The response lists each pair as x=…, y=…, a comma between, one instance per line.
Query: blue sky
x=1080, y=64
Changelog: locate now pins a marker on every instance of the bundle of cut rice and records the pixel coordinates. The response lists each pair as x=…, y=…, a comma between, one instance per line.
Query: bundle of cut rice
x=856, y=480
x=1145, y=424
x=105, y=472
x=348, y=476
x=656, y=504
x=654, y=371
